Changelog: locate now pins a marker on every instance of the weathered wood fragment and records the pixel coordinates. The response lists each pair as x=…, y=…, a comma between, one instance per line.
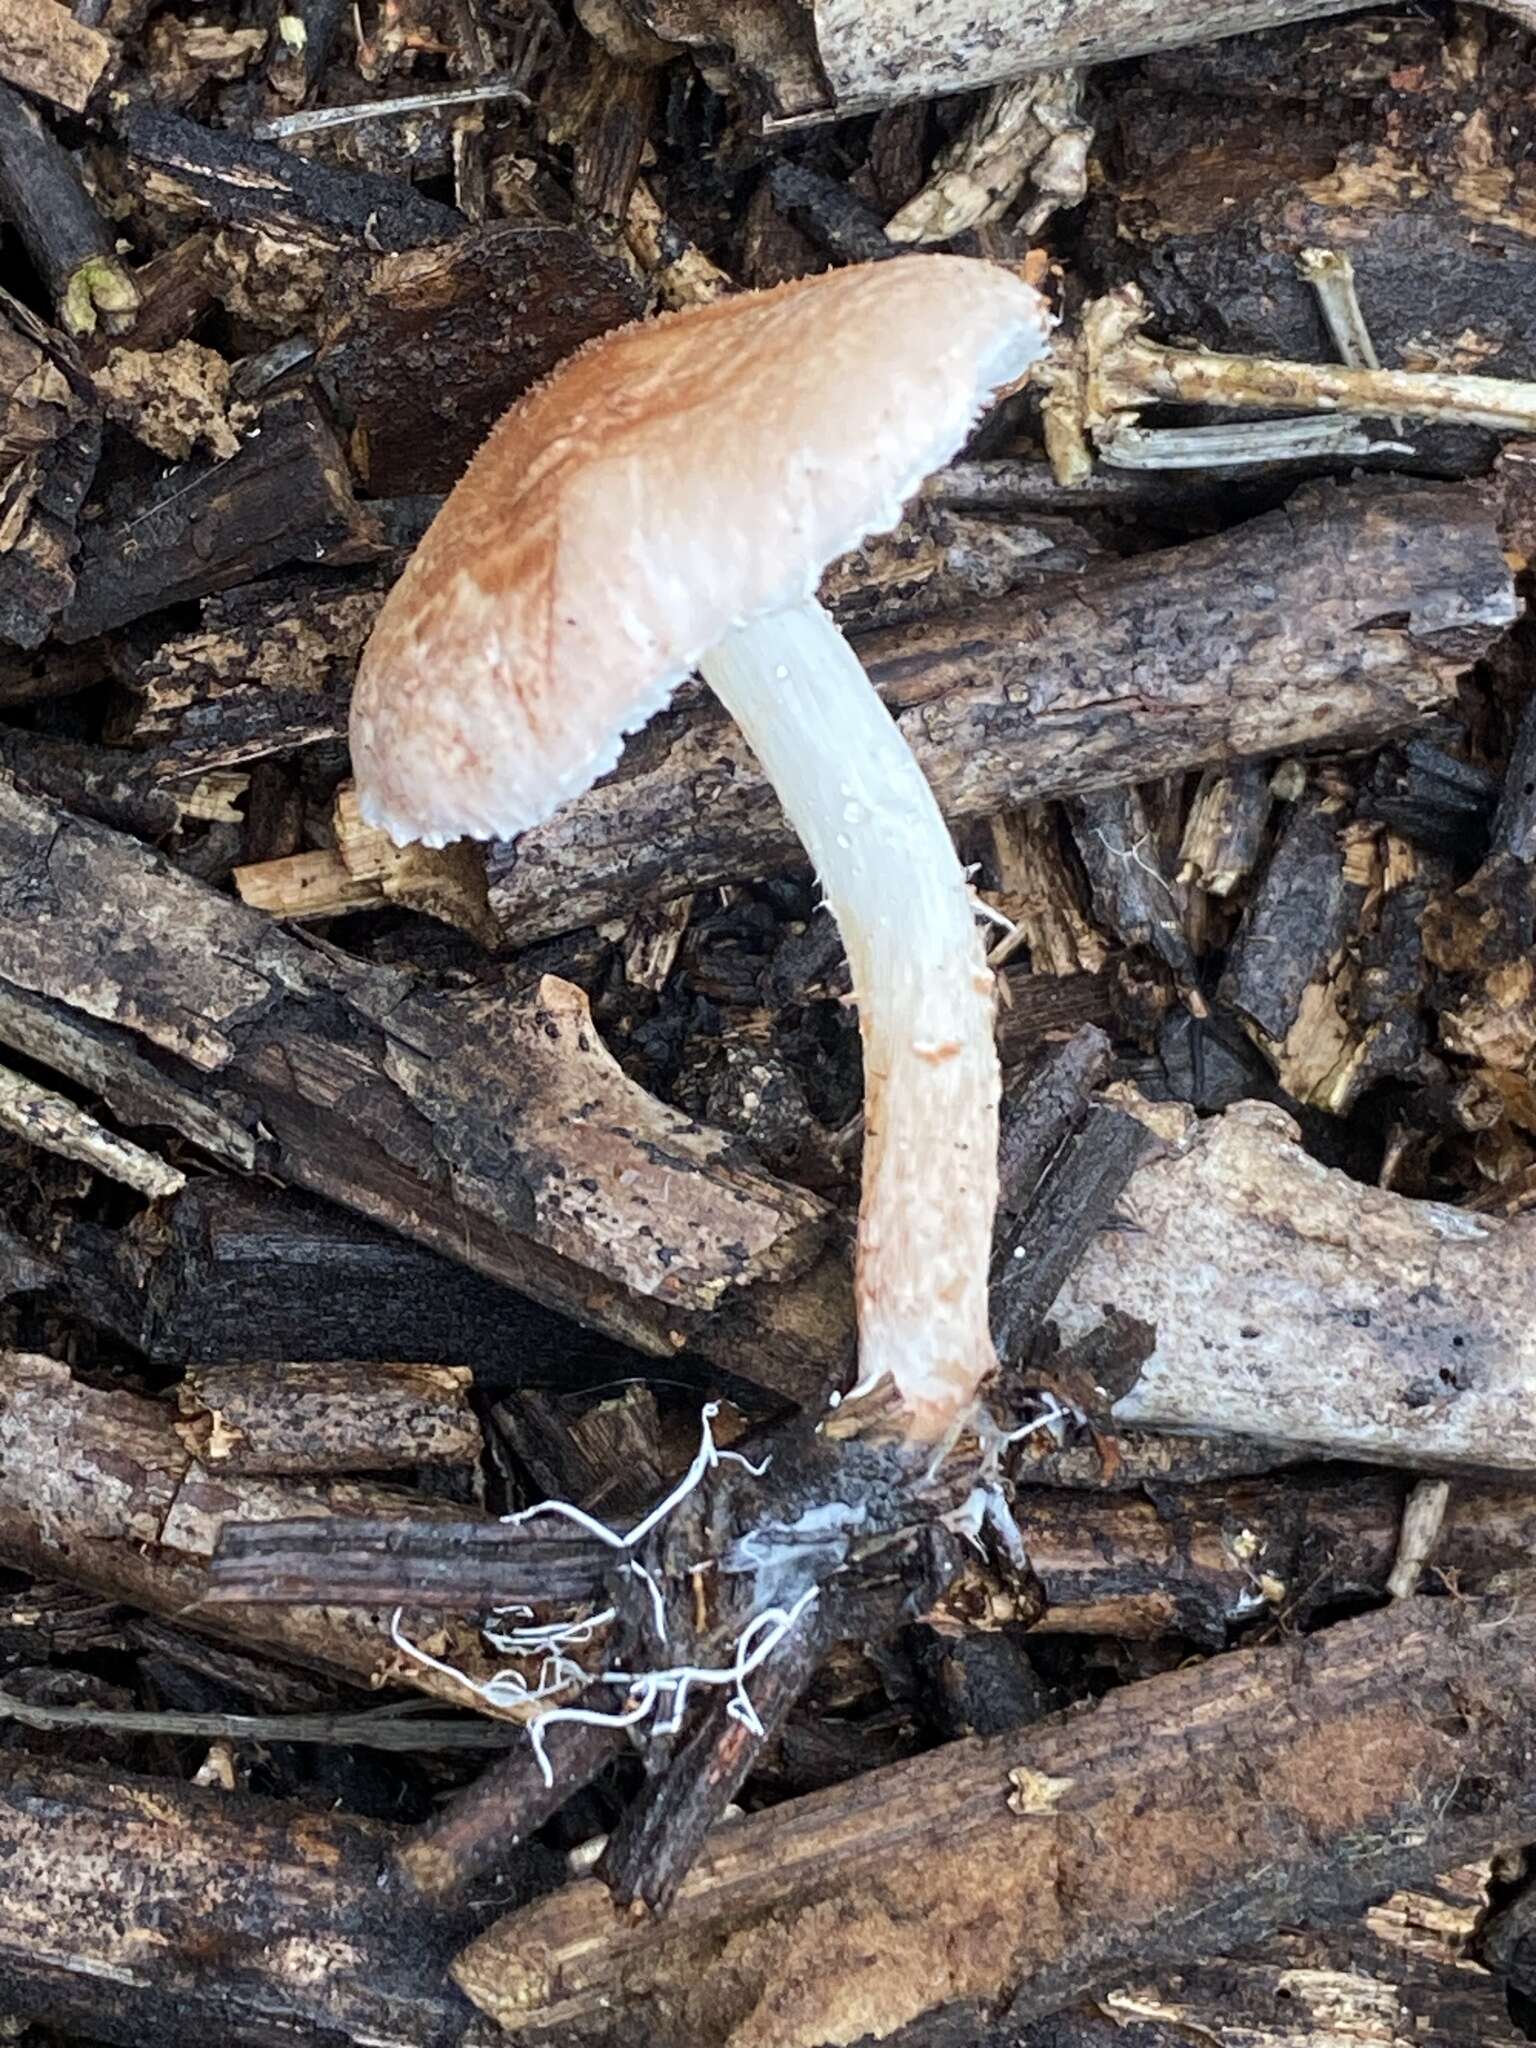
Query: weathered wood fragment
x=1198, y=1561
x=1010, y=1874
x=1297, y=1306
x=44, y=50
x=100, y=1490
x=496, y=1129
x=328, y=1418
x=269, y=669
x=1347, y=614
x=284, y=496
x=144, y=1909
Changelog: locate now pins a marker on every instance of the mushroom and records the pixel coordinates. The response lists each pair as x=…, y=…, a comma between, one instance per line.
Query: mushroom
x=667, y=502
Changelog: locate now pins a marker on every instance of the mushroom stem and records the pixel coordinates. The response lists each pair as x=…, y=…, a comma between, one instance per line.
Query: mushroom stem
x=868, y=819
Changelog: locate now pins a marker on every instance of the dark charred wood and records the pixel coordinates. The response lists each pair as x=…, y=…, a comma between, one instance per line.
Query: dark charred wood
x=834, y=218
x=1132, y=895
x=942, y=1876
x=1304, y=909
x=230, y=1273
x=285, y=496
x=1036, y=1006
x=653, y=1847
x=1020, y=700
x=232, y=180
x=69, y=244
x=481, y=1831
x=100, y=1490
x=1046, y=1236
x=606, y=1456
x=429, y=349
x=607, y=116
x=1433, y=798
x=1198, y=1562
x=268, y=670
x=98, y=782
x=1409, y=1965
x=1514, y=822
x=296, y=62
x=1043, y=1109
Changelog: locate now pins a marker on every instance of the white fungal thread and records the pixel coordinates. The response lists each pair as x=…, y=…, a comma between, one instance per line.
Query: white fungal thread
x=644, y=1689
x=1132, y=856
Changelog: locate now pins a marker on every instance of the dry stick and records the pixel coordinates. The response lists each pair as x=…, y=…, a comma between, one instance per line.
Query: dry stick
x=443, y=99
x=480, y=1831
x=70, y=245
x=653, y=1846
x=1321, y=621
x=1187, y=1815
x=43, y=1117
x=1108, y=370
x=387, y=1728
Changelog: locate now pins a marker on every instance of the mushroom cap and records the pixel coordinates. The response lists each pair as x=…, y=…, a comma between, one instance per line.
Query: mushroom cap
x=669, y=481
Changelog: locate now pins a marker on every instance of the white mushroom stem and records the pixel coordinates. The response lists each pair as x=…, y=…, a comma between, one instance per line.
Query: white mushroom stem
x=868, y=819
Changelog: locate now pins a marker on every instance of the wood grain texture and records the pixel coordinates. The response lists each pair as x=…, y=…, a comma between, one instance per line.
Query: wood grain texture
x=497, y=1130
x=1192, y=1813
x=1297, y=1306
x=1347, y=614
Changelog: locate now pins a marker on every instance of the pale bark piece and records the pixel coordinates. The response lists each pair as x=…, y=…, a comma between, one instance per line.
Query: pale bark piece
x=1194, y=1813
x=1297, y=1306
x=854, y=55
x=1347, y=614
x=44, y=50
x=328, y=1418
